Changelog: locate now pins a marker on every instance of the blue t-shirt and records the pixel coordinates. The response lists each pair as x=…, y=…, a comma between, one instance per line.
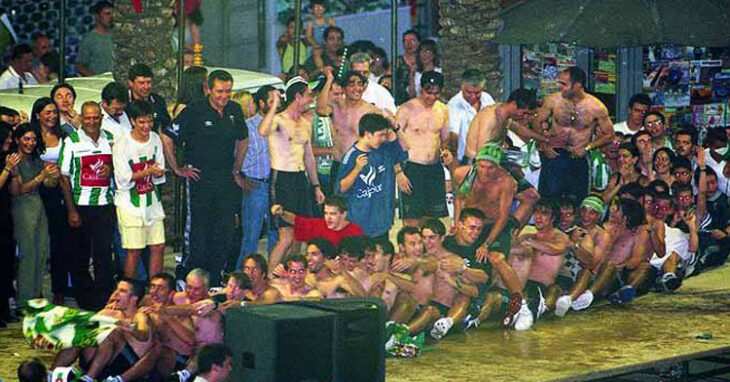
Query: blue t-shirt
x=372, y=198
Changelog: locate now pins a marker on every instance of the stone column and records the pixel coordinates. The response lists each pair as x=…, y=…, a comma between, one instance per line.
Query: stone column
x=467, y=27
x=146, y=38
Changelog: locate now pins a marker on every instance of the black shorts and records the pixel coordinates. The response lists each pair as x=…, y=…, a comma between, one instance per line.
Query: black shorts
x=293, y=191
x=121, y=363
x=428, y=192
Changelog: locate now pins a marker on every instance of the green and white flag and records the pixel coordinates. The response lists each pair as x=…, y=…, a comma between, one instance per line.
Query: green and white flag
x=52, y=327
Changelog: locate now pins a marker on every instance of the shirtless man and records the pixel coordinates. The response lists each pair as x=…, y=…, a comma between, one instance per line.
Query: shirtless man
x=254, y=265
x=580, y=123
x=176, y=334
x=121, y=351
x=490, y=189
x=491, y=124
x=379, y=254
x=413, y=272
x=208, y=327
x=319, y=250
x=592, y=243
x=294, y=287
x=345, y=112
x=339, y=276
x=451, y=288
x=626, y=260
x=290, y=142
x=549, y=246
x=425, y=121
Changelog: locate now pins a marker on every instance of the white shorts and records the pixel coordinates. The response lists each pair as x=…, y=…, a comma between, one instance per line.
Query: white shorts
x=138, y=235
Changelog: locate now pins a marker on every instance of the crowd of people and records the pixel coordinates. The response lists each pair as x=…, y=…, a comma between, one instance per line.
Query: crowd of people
x=538, y=226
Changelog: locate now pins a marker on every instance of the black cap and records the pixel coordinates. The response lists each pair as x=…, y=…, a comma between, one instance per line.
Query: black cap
x=432, y=78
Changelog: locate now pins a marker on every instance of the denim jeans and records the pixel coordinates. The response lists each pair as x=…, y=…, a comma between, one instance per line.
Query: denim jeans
x=254, y=213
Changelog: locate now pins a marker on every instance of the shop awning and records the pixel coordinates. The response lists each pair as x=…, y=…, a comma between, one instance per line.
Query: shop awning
x=618, y=23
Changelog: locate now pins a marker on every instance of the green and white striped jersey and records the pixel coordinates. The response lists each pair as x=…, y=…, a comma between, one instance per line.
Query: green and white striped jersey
x=142, y=197
x=81, y=160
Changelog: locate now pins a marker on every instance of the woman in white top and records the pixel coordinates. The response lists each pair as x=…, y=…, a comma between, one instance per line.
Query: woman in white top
x=45, y=122
x=428, y=58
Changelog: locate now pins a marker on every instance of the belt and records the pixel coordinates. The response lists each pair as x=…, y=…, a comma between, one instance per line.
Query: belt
x=256, y=179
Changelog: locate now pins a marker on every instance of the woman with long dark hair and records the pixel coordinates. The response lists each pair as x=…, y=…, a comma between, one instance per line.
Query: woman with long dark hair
x=428, y=58
x=44, y=121
x=29, y=217
x=192, y=88
x=8, y=163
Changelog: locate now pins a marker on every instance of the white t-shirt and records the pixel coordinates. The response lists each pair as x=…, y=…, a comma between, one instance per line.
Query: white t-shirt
x=623, y=127
x=10, y=79
x=461, y=113
x=379, y=96
x=142, y=197
x=117, y=129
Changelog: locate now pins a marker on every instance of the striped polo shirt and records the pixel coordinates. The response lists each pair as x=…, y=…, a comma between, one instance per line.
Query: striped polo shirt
x=81, y=160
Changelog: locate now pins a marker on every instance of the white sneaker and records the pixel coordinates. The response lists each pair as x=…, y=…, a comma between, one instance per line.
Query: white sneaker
x=524, y=319
x=562, y=305
x=441, y=327
x=583, y=301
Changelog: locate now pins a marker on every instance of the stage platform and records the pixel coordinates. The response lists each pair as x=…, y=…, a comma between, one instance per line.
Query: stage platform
x=603, y=342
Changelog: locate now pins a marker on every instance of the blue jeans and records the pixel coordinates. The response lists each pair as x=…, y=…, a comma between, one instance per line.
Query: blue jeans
x=254, y=213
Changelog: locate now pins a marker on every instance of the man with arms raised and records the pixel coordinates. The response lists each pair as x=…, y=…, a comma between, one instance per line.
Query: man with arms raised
x=346, y=113
x=492, y=124
x=580, y=124
x=425, y=121
x=490, y=189
x=334, y=227
x=293, y=167
x=215, y=136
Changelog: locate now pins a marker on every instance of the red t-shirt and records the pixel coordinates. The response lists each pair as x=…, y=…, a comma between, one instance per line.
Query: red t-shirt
x=306, y=229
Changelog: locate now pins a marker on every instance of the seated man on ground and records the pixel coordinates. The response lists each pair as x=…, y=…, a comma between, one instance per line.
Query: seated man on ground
x=122, y=350
x=549, y=246
x=413, y=272
x=294, y=287
x=714, y=234
x=469, y=236
x=627, y=267
x=379, y=254
x=489, y=188
x=319, y=250
x=255, y=267
x=451, y=288
x=333, y=227
x=585, y=260
x=681, y=236
x=345, y=270
x=176, y=334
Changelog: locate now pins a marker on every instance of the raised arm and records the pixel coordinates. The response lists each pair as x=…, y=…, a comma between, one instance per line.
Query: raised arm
x=323, y=99
x=268, y=124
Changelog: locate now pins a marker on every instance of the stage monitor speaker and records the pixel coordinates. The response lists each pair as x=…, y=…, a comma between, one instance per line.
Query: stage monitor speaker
x=280, y=342
x=359, y=337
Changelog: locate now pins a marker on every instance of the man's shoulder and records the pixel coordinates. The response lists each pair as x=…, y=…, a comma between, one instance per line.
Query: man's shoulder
x=456, y=100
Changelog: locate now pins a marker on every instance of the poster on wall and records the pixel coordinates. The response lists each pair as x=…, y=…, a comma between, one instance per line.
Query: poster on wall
x=541, y=64
x=682, y=80
x=604, y=72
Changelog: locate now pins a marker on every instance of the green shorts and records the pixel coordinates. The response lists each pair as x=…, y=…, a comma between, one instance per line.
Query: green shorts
x=564, y=282
x=503, y=243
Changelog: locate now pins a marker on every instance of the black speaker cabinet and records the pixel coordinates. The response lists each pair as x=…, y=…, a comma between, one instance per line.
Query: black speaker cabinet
x=359, y=343
x=281, y=342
